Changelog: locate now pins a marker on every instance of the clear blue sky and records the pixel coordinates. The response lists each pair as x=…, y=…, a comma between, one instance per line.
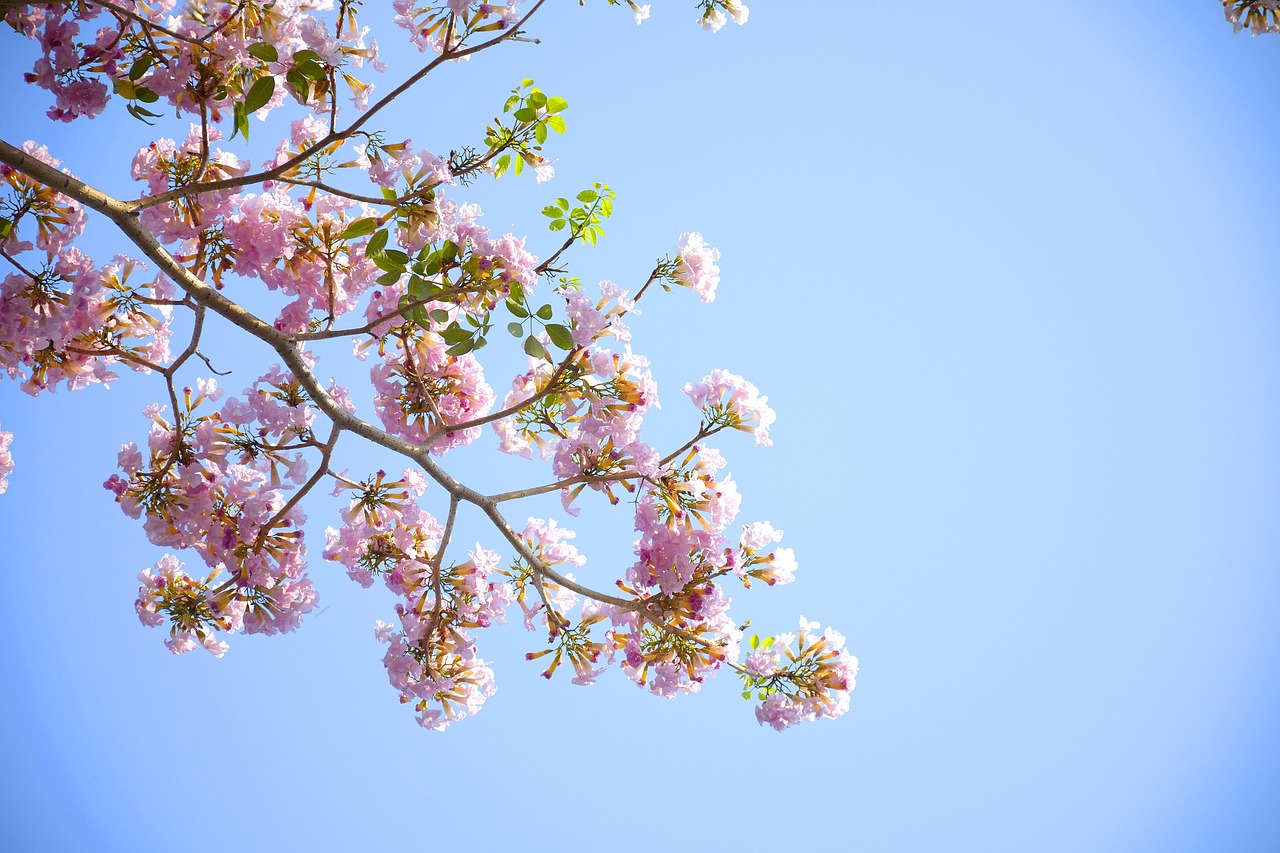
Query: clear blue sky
x=1007, y=275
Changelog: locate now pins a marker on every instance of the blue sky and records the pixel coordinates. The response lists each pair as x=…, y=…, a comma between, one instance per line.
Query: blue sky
x=1008, y=281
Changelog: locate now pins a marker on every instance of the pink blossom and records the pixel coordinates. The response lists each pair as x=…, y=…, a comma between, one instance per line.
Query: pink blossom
x=728, y=400
x=696, y=265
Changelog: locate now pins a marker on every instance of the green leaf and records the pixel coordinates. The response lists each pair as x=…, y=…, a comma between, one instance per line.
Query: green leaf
x=544, y=313
x=388, y=264
x=462, y=347
x=305, y=55
x=534, y=348
x=558, y=224
x=455, y=333
x=563, y=202
x=124, y=88
x=557, y=105
x=239, y=120
x=552, y=211
x=516, y=308
x=500, y=167
x=516, y=329
x=259, y=94
x=389, y=278
x=556, y=123
x=560, y=336
x=417, y=288
x=746, y=694
x=299, y=83
x=537, y=98
x=265, y=52
x=525, y=114
x=140, y=66
x=440, y=315
x=540, y=133
x=587, y=196
x=146, y=95
x=754, y=642
x=313, y=70
x=6, y=226
x=376, y=244
x=360, y=227
x=526, y=82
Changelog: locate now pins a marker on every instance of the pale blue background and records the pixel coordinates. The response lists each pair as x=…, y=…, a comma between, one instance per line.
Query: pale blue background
x=1007, y=273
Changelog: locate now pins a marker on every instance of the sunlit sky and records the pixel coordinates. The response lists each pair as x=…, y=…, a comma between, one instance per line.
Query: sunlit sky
x=1007, y=276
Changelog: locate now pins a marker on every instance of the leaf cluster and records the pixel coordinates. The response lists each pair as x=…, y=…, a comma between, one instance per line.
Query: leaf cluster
x=583, y=222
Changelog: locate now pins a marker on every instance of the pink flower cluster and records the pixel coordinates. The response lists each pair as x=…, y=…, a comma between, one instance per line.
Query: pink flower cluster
x=596, y=319
x=164, y=163
x=383, y=527
x=431, y=659
x=58, y=219
x=696, y=265
x=549, y=542
x=62, y=317
x=800, y=685
x=421, y=392
x=212, y=485
x=430, y=22
x=75, y=320
x=681, y=631
x=66, y=62
x=728, y=400
x=76, y=69
x=191, y=607
x=776, y=566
